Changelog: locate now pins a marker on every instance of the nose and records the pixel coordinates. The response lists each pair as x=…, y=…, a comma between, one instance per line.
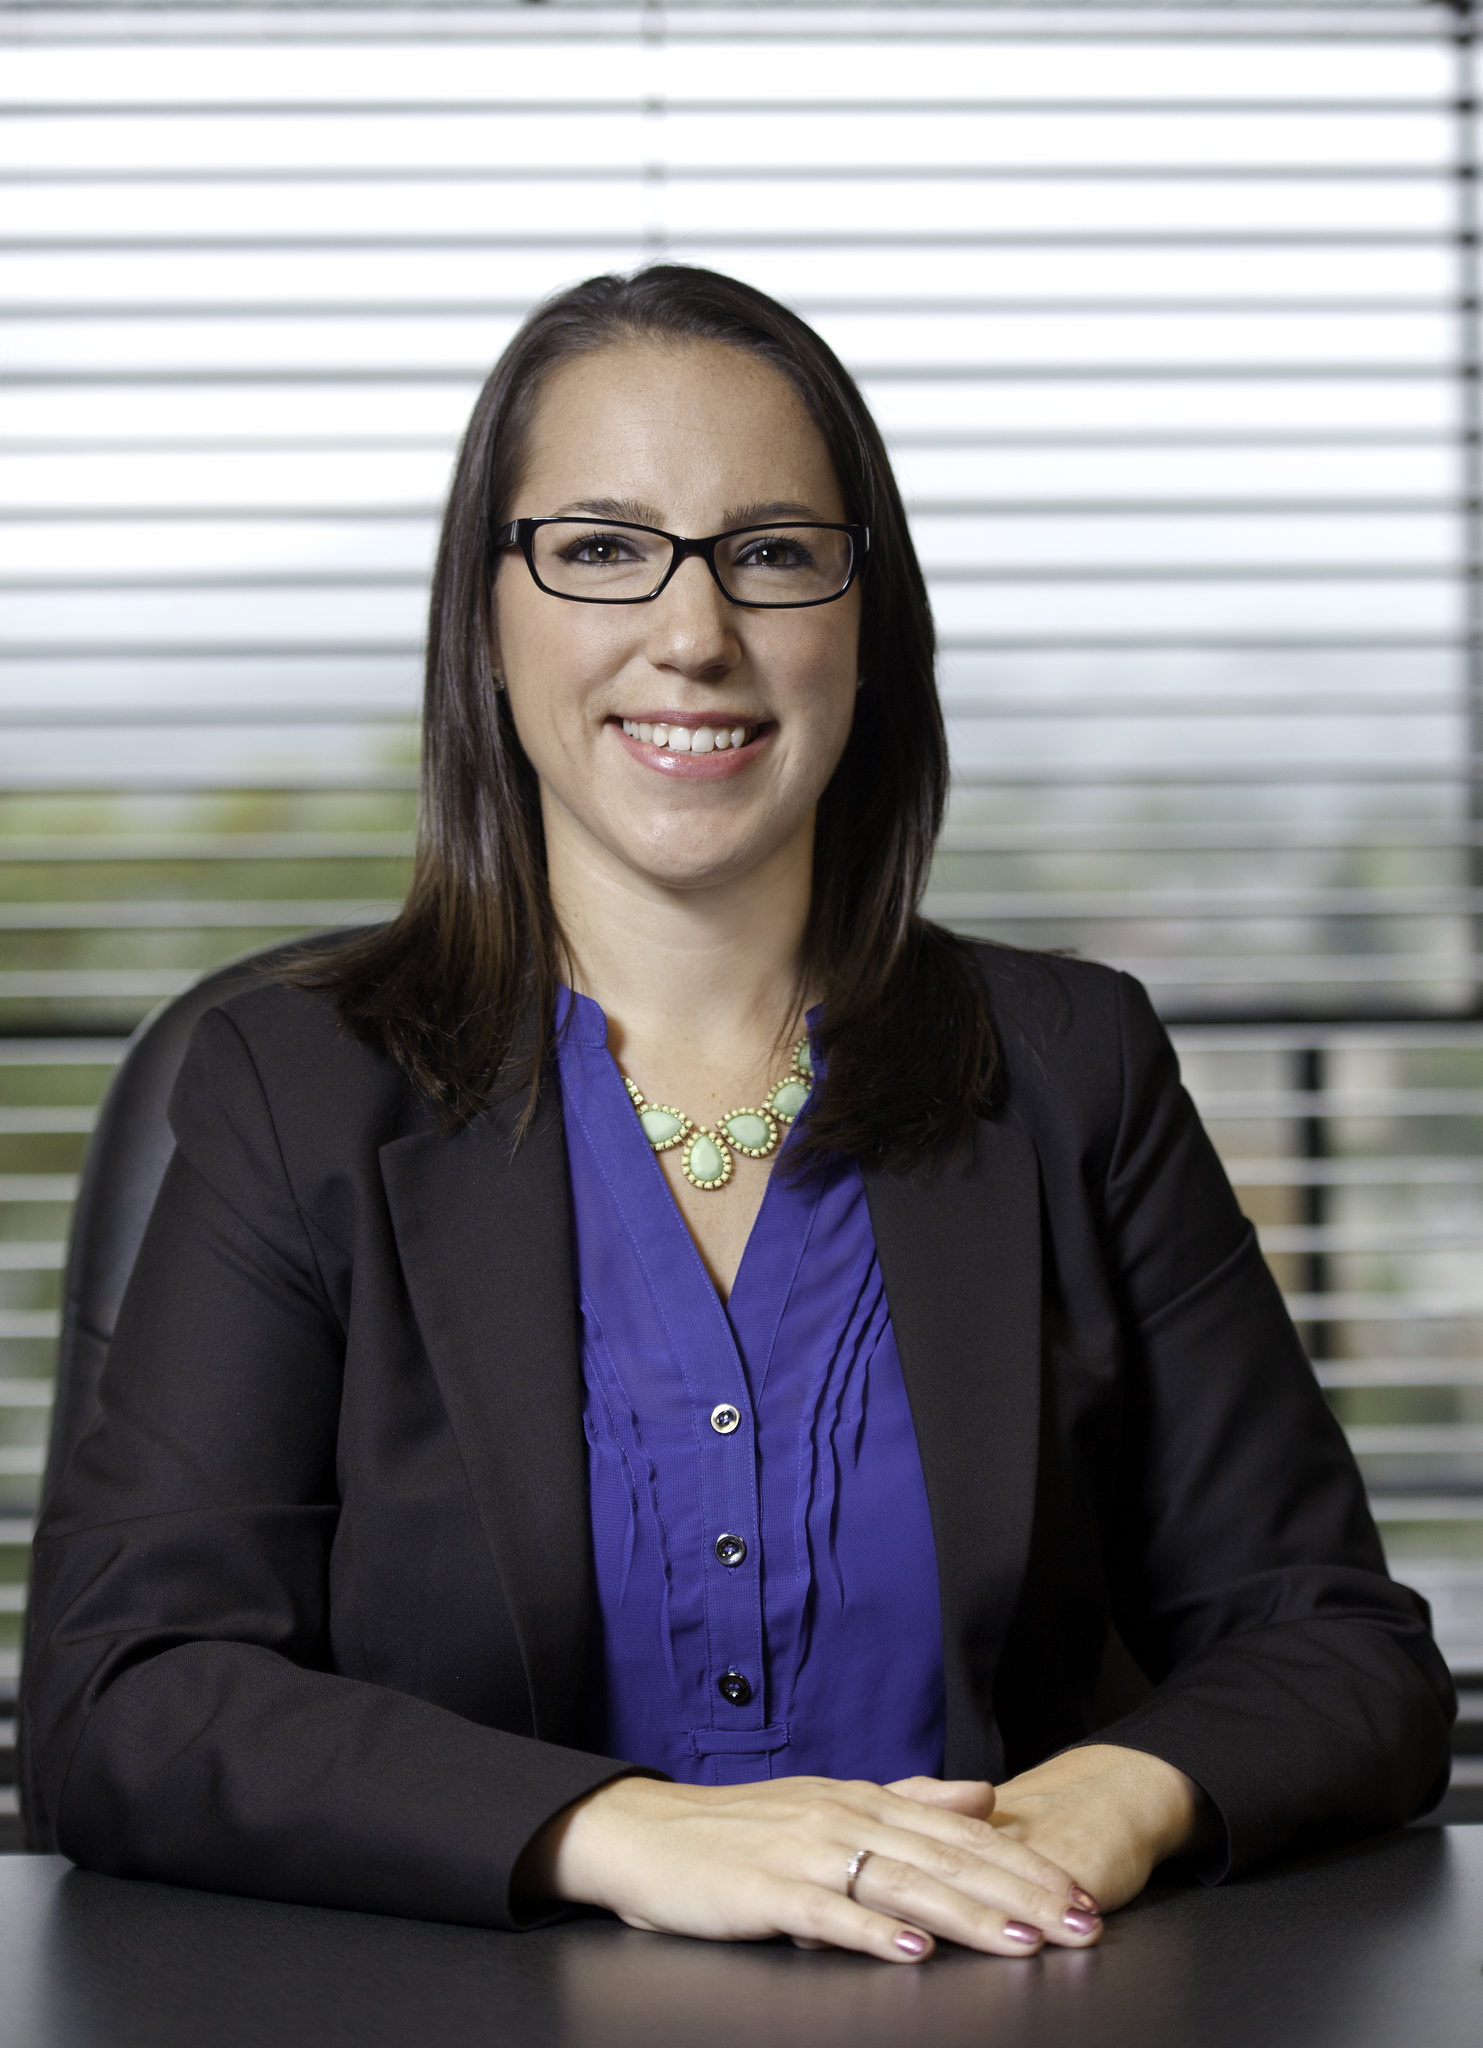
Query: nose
x=692, y=625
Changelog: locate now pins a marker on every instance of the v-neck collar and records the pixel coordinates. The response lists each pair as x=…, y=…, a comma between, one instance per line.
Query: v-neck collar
x=599, y=1104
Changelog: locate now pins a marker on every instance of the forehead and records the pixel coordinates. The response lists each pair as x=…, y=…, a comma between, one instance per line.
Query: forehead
x=642, y=413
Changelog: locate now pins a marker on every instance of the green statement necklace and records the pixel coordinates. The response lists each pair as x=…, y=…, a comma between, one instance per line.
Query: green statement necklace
x=707, y=1161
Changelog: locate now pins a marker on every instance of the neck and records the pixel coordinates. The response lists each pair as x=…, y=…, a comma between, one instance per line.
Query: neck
x=707, y=974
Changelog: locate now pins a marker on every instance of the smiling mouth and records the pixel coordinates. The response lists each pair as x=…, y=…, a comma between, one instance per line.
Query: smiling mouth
x=691, y=739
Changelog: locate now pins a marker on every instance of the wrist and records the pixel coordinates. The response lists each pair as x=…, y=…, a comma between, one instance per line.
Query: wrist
x=1146, y=1801
x=1169, y=1807
x=550, y=1867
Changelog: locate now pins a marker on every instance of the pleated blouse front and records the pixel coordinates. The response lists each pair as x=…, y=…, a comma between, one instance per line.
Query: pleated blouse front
x=766, y=1577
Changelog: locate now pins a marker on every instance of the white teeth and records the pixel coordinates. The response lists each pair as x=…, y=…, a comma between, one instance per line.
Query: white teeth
x=682, y=739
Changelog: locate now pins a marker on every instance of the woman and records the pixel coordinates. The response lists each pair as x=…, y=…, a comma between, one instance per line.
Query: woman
x=653, y=1377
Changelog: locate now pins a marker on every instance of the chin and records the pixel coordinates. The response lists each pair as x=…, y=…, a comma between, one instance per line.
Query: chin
x=703, y=866
x=693, y=875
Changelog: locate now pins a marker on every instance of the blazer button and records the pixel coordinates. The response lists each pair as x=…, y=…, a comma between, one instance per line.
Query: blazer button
x=730, y=1550
x=732, y=1686
x=724, y=1418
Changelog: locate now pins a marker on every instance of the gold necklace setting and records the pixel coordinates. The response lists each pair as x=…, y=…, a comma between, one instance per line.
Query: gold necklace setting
x=709, y=1158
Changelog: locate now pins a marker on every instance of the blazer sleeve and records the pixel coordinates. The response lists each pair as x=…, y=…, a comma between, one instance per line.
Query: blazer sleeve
x=182, y=1716
x=1298, y=1684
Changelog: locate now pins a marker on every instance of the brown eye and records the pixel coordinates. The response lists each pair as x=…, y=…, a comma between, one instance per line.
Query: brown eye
x=774, y=554
x=601, y=550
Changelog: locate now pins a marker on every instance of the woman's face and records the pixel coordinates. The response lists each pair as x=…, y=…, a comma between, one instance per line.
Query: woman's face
x=695, y=438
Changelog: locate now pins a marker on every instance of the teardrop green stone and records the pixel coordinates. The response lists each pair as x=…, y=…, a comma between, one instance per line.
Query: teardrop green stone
x=661, y=1126
x=704, y=1160
x=803, y=1057
x=746, y=1127
x=787, y=1099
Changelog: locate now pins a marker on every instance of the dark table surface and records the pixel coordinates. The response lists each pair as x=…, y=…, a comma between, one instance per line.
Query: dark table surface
x=1376, y=1947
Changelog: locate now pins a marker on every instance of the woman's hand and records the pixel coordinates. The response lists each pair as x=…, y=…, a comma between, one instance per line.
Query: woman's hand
x=747, y=1862
x=1105, y=1814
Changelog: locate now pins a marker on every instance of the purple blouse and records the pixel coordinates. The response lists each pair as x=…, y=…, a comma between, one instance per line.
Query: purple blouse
x=766, y=1578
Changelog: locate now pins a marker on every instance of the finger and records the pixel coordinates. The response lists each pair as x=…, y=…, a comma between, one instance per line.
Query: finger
x=961, y=1830
x=949, y=1909
x=973, y=1796
x=981, y=1883
x=815, y=1917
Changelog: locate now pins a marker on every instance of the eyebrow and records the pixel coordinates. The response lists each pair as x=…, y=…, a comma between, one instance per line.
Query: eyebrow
x=761, y=514
x=633, y=512
x=629, y=510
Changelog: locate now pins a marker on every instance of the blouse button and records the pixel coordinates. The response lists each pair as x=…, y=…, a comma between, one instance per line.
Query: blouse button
x=732, y=1686
x=730, y=1550
x=724, y=1418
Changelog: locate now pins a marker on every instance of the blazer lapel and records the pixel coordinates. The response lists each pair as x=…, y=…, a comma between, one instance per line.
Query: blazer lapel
x=484, y=1235
x=960, y=1256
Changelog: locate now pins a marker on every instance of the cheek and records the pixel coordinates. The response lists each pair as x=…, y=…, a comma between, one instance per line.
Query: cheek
x=823, y=649
x=555, y=666
x=837, y=717
x=822, y=683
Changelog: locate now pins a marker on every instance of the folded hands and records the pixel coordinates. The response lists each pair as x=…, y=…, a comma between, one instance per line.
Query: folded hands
x=1003, y=1870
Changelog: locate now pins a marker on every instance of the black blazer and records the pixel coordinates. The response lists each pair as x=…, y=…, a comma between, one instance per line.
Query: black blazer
x=313, y=1606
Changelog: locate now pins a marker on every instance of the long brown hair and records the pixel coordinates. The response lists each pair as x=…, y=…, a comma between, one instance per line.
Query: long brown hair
x=460, y=987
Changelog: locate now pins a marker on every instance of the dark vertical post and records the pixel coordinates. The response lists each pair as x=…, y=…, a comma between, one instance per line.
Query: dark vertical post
x=1311, y=1077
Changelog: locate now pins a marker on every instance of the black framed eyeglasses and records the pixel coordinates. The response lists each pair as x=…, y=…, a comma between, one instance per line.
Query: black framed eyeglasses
x=772, y=568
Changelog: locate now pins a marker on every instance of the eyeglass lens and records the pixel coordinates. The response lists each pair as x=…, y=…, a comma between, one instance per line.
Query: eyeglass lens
x=764, y=565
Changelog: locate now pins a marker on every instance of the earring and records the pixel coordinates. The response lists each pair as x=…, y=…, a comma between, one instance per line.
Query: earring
x=859, y=683
x=498, y=682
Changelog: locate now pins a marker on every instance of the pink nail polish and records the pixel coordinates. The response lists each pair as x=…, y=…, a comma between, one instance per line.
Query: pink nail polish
x=1084, y=1899
x=1079, y=1922
x=1016, y=1930
x=911, y=1943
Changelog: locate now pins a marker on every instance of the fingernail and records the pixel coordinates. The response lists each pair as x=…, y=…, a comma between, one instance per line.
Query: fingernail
x=1016, y=1930
x=1084, y=1899
x=1079, y=1922
x=911, y=1943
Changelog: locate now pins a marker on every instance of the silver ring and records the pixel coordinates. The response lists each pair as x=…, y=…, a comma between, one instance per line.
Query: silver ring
x=853, y=1868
